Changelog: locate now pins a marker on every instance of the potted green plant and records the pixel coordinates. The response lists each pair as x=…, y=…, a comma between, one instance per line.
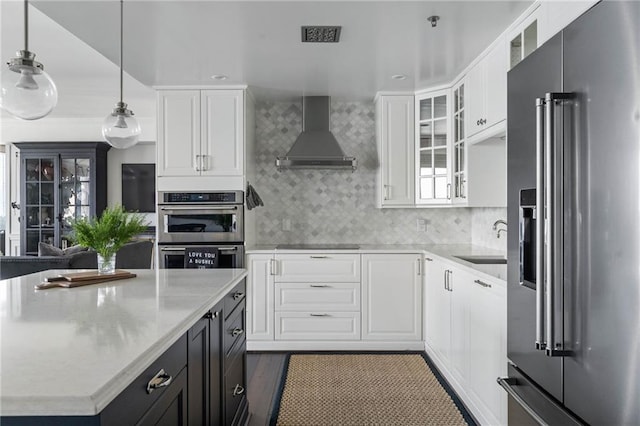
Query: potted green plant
x=107, y=234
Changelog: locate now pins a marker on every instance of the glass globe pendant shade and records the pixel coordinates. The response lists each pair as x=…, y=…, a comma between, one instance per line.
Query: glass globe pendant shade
x=120, y=129
x=27, y=91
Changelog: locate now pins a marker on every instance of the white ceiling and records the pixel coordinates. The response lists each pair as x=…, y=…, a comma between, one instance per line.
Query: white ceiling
x=255, y=43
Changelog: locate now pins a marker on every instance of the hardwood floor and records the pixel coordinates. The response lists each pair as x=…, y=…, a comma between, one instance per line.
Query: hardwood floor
x=264, y=370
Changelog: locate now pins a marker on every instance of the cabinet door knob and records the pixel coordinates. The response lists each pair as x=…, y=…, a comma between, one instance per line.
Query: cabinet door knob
x=236, y=332
x=238, y=390
x=160, y=380
x=237, y=295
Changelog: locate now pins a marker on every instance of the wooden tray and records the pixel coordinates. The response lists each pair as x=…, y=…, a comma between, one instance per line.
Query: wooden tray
x=77, y=279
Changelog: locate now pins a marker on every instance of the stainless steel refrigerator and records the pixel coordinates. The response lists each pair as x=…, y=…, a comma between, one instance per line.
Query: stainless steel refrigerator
x=574, y=189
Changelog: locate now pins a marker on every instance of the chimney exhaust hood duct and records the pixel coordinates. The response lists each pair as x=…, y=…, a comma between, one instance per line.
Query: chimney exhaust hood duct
x=316, y=147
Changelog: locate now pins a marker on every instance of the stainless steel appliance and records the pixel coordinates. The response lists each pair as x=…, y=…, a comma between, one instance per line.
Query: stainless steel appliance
x=229, y=256
x=200, y=217
x=573, y=275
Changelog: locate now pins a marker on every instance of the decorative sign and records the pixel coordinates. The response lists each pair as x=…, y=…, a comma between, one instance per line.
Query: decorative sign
x=201, y=257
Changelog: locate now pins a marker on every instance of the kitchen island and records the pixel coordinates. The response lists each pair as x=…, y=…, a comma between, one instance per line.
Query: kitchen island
x=72, y=352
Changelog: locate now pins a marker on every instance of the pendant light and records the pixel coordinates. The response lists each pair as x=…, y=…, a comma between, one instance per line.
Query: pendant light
x=120, y=129
x=34, y=95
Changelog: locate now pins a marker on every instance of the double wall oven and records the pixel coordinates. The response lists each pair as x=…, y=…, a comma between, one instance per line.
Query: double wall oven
x=201, y=220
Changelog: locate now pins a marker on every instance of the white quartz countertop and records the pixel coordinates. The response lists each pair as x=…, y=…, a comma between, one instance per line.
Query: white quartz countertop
x=72, y=351
x=446, y=252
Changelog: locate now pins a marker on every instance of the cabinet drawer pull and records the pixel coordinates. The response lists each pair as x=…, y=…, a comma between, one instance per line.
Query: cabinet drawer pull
x=483, y=284
x=272, y=269
x=238, y=390
x=428, y=259
x=319, y=285
x=237, y=295
x=319, y=257
x=319, y=315
x=236, y=332
x=161, y=379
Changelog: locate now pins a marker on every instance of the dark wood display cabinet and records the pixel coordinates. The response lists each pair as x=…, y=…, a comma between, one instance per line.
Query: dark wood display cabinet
x=59, y=182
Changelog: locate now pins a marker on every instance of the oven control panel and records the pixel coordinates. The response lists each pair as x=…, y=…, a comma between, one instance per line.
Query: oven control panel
x=230, y=197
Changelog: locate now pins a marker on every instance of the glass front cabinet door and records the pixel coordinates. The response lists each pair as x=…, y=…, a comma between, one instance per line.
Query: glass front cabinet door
x=459, y=187
x=59, y=183
x=433, y=148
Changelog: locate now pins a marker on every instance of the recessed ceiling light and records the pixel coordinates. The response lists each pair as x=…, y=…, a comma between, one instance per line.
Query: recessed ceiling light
x=219, y=77
x=399, y=77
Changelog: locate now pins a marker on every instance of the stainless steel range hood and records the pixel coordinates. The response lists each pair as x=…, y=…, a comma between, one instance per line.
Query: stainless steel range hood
x=316, y=147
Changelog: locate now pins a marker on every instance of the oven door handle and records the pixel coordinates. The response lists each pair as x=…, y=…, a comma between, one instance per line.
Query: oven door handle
x=184, y=248
x=172, y=248
x=197, y=209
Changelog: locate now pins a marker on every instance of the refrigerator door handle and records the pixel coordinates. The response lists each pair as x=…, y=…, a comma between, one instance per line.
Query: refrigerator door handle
x=553, y=244
x=507, y=384
x=541, y=343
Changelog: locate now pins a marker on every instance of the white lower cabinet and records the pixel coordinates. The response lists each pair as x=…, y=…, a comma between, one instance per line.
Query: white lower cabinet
x=391, y=297
x=465, y=335
x=260, y=297
x=321, y=325
x=335, y=301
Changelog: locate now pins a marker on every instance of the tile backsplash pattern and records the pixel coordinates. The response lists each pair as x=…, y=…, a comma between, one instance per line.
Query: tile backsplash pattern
x=482, y=220
x=329, y=206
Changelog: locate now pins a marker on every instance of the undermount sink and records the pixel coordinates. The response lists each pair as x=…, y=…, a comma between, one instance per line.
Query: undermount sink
x=494, y=260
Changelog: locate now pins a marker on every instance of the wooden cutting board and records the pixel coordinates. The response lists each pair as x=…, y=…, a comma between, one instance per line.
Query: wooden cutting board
x=77, y=279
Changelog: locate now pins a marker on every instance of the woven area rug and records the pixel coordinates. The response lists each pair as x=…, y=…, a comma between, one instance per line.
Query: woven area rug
x=365, y=389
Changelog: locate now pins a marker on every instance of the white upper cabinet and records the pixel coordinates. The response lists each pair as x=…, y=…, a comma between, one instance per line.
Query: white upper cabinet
x=433, y=148
x=523, y=38
x=222, y=147
x=201, y=133
x=459, y=167
x=487, y=94
x=395, y=140
x=179, y=132
x=555, y=15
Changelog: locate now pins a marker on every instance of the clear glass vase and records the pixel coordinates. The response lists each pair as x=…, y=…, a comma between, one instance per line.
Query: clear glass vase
x=107, y=265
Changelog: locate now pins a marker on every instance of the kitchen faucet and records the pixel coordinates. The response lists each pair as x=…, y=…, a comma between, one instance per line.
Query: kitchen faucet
x=495, y=226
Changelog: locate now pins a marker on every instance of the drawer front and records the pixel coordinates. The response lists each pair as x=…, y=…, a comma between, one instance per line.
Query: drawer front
x=316, y=268
x=317, y=326
x=234, y=329
x=234, y=387
x=234, y=297
x=334, y=297
x=134, y=401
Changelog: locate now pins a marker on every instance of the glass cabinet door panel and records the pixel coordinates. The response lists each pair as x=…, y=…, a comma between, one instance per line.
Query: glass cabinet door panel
x=456, y=159
x=47, y=217
x=440, y=132
x=32, y=169
x=461, y=95
x=530, y=39
x=33, y=238
x=426, y=188
x=32, y=193
x=440, y=161
x=426, y=163
x=82, y=169
x=441, y=187
x=461, y=121
x=68, y=194
x=33, y=216
x=440, y=107
x=68, y=170
x=47, y=170
x=47, y=236
x=426, y=109
x=82, y=195
x=46, y=193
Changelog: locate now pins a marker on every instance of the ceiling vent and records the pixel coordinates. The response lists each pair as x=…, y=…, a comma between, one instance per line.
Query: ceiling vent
x=315, y=34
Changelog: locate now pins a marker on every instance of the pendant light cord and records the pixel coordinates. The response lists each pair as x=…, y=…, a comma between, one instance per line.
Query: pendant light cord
x=26, y=25
x=121, y=38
